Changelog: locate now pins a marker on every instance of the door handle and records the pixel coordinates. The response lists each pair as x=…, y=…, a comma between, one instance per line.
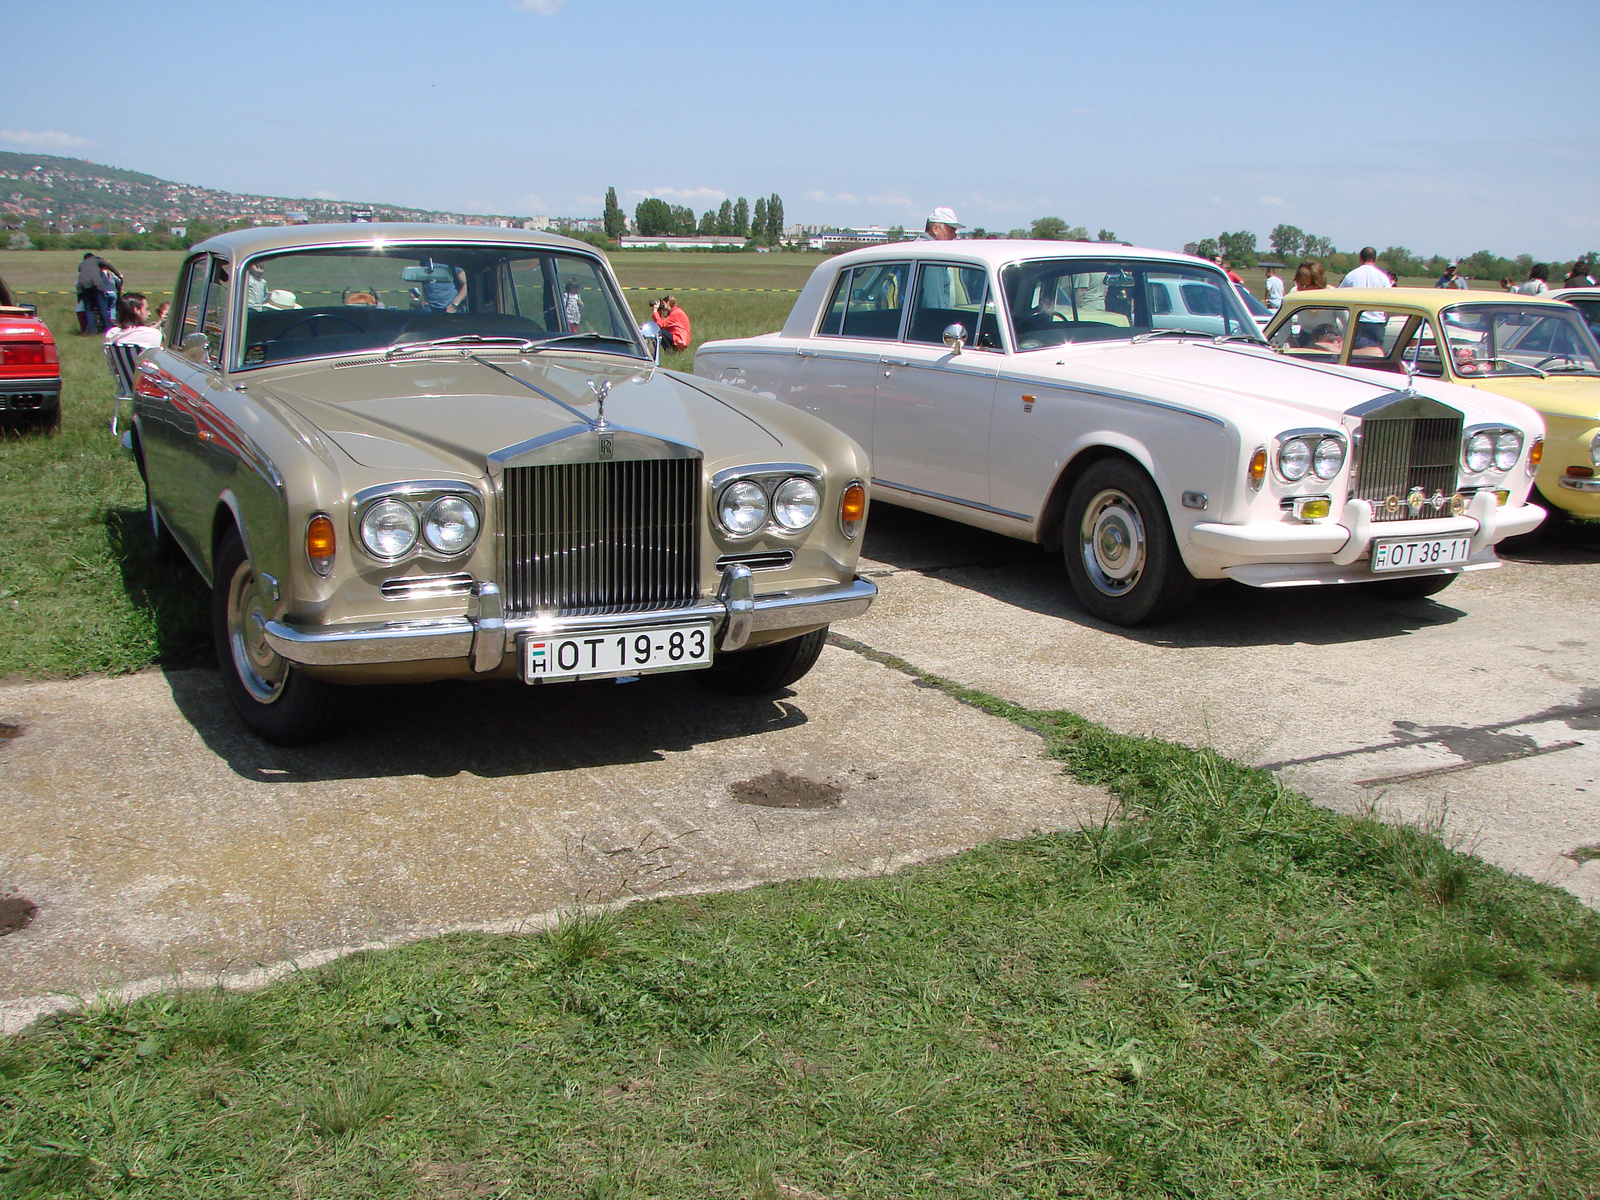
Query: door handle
x=807, y=353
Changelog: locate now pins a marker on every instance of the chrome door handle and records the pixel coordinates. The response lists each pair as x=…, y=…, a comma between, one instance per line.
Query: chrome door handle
x=807, y=353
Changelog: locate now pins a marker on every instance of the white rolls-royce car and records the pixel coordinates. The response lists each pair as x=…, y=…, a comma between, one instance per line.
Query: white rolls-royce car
x=1121, y=405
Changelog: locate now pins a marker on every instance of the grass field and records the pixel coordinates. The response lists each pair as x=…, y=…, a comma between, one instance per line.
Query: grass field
x=1223, y=992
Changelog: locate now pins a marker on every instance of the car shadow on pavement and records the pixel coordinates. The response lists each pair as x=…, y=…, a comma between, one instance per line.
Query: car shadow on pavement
x=488, y=729
x=1224, y=614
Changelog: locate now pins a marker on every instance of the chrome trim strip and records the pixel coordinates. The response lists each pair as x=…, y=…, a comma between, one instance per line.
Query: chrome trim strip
x=756, y=470
x=758, y=560
x=462, y=637
x=1574, y=484
x=415, y=587
x=901, y=487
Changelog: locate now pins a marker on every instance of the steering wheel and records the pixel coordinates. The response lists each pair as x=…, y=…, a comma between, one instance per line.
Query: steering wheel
x=1041, y=319
x=310, y=317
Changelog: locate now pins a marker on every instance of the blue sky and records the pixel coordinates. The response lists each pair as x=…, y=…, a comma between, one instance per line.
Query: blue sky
x=1443, y=127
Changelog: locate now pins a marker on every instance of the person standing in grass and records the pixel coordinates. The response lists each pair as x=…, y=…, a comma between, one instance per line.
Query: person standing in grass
x=1538, y=281
x=1450, y=279
x=1274, y=288
x=1579, y=276
x=1369, y=273
x=940, y=226
x=94, y=275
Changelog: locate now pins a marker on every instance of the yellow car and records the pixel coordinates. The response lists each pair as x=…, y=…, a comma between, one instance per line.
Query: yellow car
x=1537, y=351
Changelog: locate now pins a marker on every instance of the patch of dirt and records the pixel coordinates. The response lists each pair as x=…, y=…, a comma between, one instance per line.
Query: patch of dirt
x=779, y=789
x=8, y=730
x=457, y=1181
x=16, y=914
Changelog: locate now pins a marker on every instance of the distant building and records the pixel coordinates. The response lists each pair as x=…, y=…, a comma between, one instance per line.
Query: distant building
x=361, y=216
x=872, y=235
x=300, y=218
x=663, y=242
x=536, y=223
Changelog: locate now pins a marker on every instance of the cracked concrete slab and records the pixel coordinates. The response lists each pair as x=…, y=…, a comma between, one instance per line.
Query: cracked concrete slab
x=159, y=840
x=1350, y=696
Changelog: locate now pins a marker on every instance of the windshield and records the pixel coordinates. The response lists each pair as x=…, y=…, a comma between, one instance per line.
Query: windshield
x=1507, y=339
x=316, y=303
x=1053, y=301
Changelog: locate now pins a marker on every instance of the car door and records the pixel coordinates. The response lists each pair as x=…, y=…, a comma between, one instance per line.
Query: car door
x=932, y=403
x=836, y=371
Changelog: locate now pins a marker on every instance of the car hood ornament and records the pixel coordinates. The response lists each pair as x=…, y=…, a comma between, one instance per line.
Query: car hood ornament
x=601, y=390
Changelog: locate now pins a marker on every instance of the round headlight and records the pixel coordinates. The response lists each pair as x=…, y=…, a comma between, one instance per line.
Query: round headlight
x=1480, y=452
x=1328, y=458
x=1294, y=459
x=389, y=529
x=796, y=503
x=742, y=508
x=450, y=525
x=1507, y=449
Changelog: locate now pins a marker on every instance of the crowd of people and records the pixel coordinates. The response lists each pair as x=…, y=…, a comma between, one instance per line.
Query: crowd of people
x=1311, y=276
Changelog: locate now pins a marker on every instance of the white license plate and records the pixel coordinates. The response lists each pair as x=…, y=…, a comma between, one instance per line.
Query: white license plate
x=637, y=651
x=1421, y=552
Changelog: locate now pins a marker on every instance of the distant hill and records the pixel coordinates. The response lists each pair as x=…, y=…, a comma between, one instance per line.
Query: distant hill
x=52, y=190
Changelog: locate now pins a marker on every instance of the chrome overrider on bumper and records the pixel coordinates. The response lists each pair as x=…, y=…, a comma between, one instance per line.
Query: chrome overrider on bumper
x=485, y=634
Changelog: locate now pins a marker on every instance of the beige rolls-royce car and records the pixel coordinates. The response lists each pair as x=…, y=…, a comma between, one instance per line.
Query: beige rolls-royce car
x=418, y=452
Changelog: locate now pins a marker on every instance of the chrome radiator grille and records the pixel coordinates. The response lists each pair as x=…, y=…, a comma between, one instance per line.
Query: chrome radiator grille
x=601, y=537
x=1398, y=454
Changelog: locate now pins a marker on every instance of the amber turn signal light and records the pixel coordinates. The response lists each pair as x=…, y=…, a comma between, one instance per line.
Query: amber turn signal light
x=1535, y=455
x=1258, y=468
x=852, y=509
x=320, y=543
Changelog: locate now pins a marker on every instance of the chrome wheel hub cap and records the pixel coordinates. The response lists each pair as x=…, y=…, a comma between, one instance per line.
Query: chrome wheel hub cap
x=1112, y=540
x=256, y=663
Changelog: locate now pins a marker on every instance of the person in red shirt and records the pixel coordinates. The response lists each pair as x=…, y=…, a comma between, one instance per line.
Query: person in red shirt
x=673, y=322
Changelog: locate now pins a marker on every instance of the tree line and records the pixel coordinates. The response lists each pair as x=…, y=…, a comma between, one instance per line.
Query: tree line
x=1291, y=244
x=654, y=217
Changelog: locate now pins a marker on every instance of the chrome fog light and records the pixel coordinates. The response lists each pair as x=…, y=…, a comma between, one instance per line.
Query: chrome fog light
x=1507, y=449
x=389, y=529
x=1479, y=452
x=450, y=525
x=796, y=503
x=742, y=508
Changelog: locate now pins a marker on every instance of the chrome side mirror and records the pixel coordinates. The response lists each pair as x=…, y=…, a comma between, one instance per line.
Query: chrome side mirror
x=196, y=347
x=652, y=343
x=955, y=336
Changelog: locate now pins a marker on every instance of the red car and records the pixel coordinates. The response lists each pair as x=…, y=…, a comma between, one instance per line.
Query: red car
x=30, y=369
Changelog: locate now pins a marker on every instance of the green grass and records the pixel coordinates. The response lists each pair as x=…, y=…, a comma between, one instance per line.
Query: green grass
x=1222, y=992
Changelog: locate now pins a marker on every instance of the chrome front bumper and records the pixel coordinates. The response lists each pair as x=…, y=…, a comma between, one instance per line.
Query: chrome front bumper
x=485, y=635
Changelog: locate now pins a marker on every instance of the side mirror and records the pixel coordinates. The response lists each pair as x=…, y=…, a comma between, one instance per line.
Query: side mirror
x=652, y=342
x=196, y=347
x=955, y=336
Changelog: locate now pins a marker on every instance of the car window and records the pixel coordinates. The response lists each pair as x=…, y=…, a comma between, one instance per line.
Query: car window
x=874, y=298
x=1314, y=334
x=1376, y=333
x=1590, y=310
x=215, y=316
x=191, y=295
x=949, y=294
x=1512, y=340
x=1052, y=301
x=321, y=302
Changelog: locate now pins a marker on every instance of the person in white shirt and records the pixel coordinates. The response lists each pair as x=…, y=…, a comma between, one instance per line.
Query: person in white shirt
x=133, y=327
x=1369, y=273
x=1274, y=289
x=1538, y=281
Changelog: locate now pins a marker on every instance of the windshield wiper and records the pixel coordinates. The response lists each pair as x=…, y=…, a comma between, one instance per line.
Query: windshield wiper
x=1252, y=339
x=541, y=343
x=1155, y=333
x=460, y=339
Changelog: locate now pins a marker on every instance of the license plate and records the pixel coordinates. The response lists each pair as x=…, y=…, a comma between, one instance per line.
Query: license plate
x=636, y=651
x=1421, y=552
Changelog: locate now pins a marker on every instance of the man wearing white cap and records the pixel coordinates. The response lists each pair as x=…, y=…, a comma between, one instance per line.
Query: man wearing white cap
x=941, y=226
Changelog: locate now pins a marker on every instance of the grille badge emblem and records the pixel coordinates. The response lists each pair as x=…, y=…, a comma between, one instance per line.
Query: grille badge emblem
x=606, y=441
x=1392, y=503
x=1415, y=499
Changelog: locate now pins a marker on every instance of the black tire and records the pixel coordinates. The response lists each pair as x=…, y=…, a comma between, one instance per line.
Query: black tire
x=1413, y=587
x=766, y=668
x=1121, y=558
x=276, y=700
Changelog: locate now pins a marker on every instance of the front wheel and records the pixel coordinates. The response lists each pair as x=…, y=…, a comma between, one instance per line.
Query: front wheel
x=1121, y=557
x=275, y=699
x=766, y=668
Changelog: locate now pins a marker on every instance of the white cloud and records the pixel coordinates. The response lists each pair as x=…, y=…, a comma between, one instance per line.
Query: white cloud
x=821, y=197
x=543, y=8
x=702, y=195
x=1273, y=201
x=324, y=195
x=43, y=139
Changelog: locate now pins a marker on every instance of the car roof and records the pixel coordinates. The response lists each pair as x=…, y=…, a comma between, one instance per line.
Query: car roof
x=242, y=243
x=1582, y=293
x=1429, y=300
x=997, y=251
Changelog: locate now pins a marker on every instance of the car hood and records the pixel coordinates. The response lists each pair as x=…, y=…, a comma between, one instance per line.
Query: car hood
x=1577, y=397
x=1240, y=380
x=451, y=413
